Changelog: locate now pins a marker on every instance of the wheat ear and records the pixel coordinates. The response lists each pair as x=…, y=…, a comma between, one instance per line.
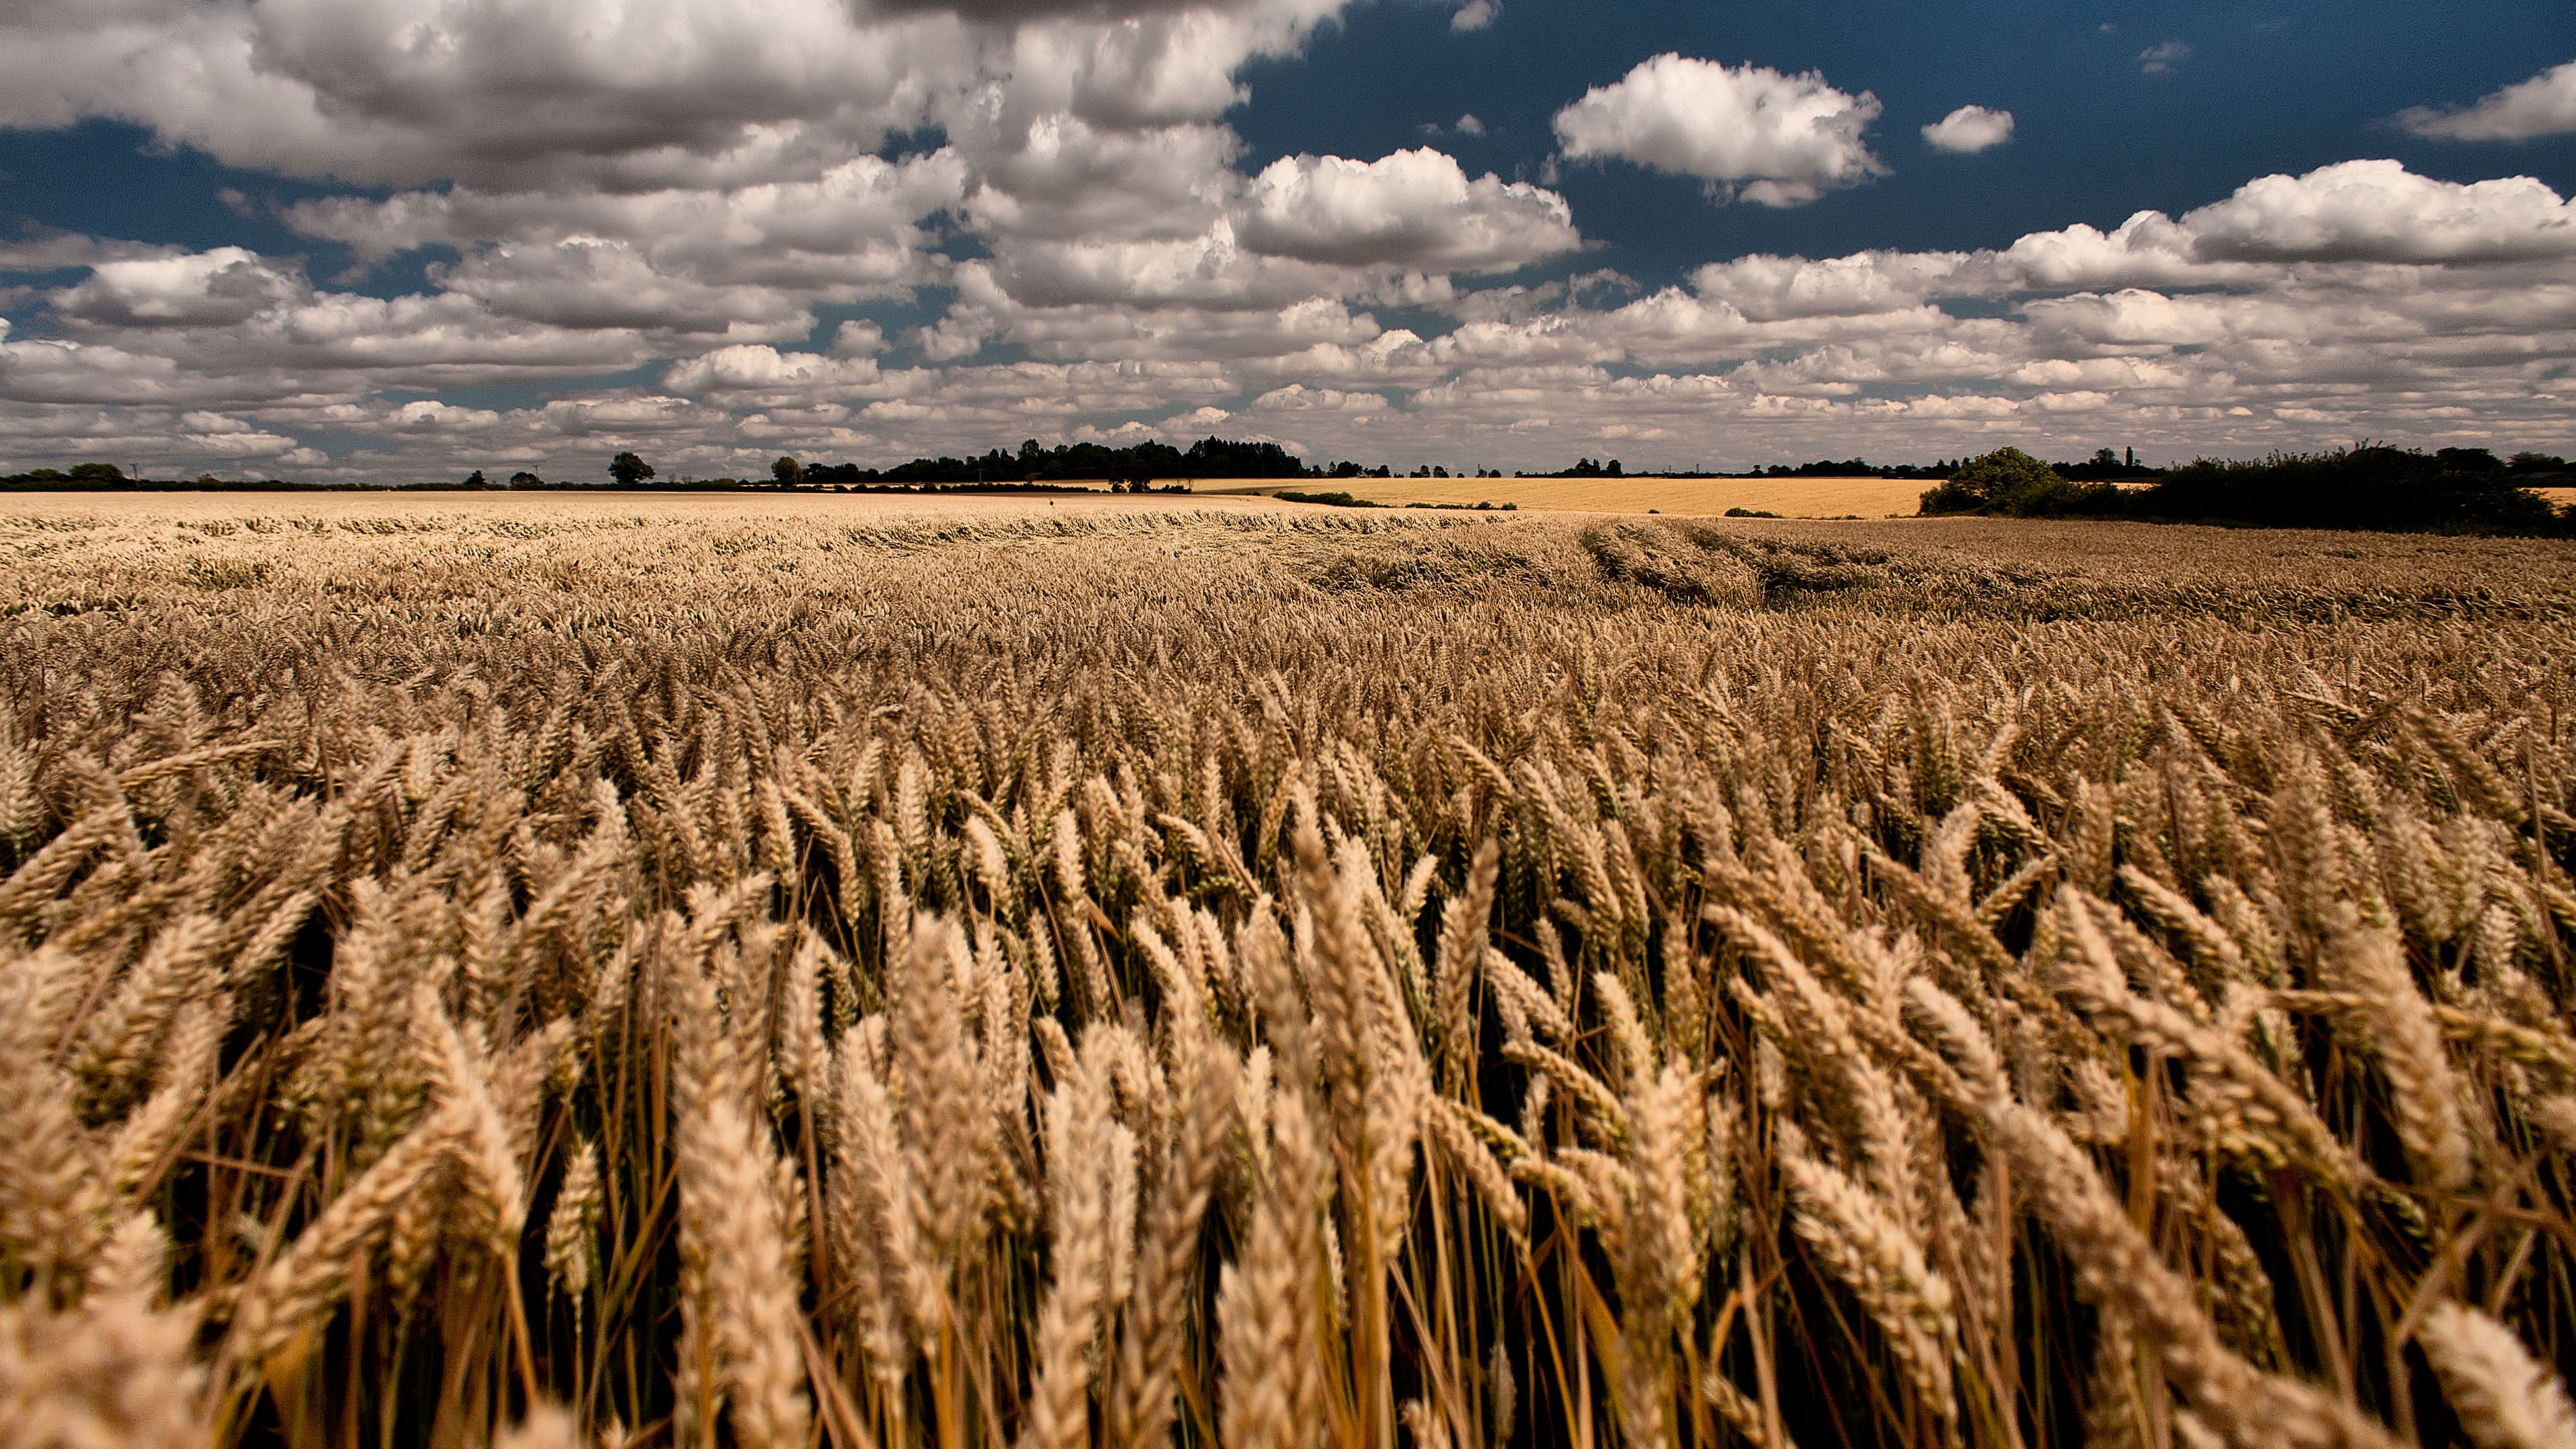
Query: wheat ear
x=2505, y=1399
x=1085, y=1146
x=2116, y=1266
x=1141, y=1406
x=304, y=1283
x=729, y=1223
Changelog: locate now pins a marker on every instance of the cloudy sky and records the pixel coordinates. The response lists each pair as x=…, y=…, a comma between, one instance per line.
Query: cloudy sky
x=401, y=239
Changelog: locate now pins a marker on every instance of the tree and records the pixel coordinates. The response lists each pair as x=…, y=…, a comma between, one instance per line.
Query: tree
x=629, y=471
x=1996, y=480
x=525, y=479
x=97, y=473
x=476, y=479
x=787, y=471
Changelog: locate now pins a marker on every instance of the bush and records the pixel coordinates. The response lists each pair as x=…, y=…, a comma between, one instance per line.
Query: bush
x=2367, y=486
x=2012, y=482
x=2371, y=486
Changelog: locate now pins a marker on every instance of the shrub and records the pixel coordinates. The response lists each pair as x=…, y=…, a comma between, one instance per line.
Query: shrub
x=2372, y=486
x=2012, y=482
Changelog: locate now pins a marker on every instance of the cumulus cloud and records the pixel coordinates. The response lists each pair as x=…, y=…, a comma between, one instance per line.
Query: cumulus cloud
x=2544, y=105
x=1411, y=209
x=757, y=373
x=1746, y=130
x=1014, y=12
x=1773, y=289
x=852, y=223
x=1970, y=129
x=622, y=98
x=219, y=288
x=2380, y=211
x=1474, y=15
x=2293, y=311
x=1081, y=254
x=512, y=95
x=2163, y=56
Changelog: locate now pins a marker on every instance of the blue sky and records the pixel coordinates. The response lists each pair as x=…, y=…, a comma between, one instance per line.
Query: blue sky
x=380, y=240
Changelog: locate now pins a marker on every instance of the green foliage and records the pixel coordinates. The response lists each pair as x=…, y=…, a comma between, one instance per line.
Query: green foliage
x=2370, y=485
x=629, y=470
x=787, y=471
x=2007, y=481
x=2367, y=486
x=1336, y=498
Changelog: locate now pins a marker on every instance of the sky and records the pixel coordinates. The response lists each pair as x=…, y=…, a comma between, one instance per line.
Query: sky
x=402, y=240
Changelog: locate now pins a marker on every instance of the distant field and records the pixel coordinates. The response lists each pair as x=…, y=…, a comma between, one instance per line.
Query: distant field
x=1788, y=497
x=603, y=503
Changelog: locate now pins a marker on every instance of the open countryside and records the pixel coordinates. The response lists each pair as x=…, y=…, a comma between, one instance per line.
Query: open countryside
x=788, y=726
x=1787, y=497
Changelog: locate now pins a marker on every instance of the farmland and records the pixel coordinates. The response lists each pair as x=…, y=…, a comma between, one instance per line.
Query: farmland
x=873, y=971
x=1787, y=497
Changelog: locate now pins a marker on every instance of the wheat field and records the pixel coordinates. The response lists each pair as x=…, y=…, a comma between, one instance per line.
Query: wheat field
x=1281, y=979
x=1787, y=497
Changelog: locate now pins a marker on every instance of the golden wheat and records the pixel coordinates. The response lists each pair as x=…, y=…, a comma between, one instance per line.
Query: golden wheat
x=1245, y=976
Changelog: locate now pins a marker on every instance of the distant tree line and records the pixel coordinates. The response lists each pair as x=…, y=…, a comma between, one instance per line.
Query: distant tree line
x=1135, y=467
x=1136, y=464
x=2104, y=466
x=108, y=478
x=2365, y=486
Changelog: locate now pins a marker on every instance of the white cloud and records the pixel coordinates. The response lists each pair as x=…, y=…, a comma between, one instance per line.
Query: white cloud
x=1468, y=125
x=1410, y=209
x=2380, y=211
x=512, y=95
x=2544, y=105
x=1016, y=12
x=1059, y=178
x=1296, y=397
x=752, y=372
x=854, y=223
x=2163, y=56
x=1474, y=15
x=695, y=203
x=1772, y=289
x=1746, y=130
x=1970, y=129
x=858, y=337
x=220, y=288
x=1198, y=420
x=622, y=97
